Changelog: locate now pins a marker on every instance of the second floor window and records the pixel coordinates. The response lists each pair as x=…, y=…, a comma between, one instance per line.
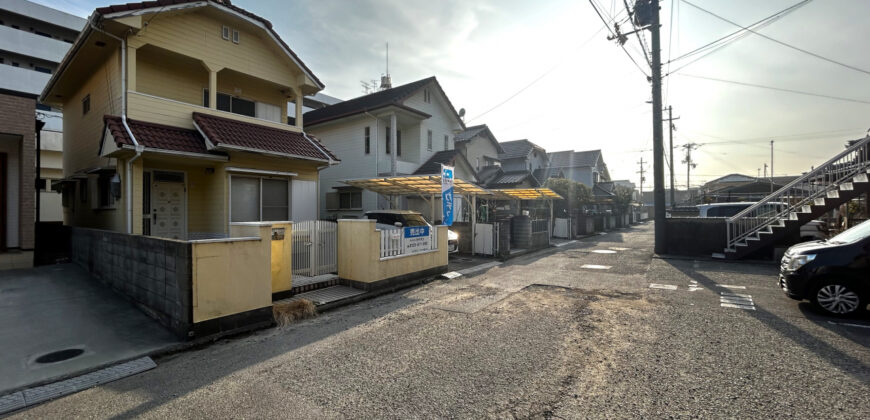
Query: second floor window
x=426, y=96
x=446, y=142
x=388, y=149
x=429, y=140
x=368, y=140
x=232, y=104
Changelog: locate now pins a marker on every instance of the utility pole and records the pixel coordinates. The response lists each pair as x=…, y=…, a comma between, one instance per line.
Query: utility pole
x=658, y=147
x=688, y=161
x=765, y=169
x=671, y=139
x=642, y=178
x=771, y=166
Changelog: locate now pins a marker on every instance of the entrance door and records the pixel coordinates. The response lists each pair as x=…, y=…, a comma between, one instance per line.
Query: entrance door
x=168, y=205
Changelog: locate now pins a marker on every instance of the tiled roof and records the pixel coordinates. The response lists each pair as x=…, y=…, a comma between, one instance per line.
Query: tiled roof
x=226, y=3
x=487, y=172
x=470, y=132
x=433, y=165
x=517, y=149
x=602, y=189
x=376, y=100
x=156, y=136
x=233, y=133
x=572, y=159
x=510, y=179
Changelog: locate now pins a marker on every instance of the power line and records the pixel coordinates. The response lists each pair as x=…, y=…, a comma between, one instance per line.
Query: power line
x=761, y=23
x=839, y=63
x=733, y=37
x=538, y=78
x=619, y=39
x=799, y=92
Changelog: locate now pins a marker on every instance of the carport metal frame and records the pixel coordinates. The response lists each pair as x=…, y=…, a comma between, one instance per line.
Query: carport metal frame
x=430, y=185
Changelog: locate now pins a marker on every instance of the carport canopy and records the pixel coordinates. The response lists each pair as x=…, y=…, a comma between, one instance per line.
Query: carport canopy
x=526, y=194
x=424, y=185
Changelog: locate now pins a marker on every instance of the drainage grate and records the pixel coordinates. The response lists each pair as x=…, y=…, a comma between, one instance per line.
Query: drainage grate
x=59, y=356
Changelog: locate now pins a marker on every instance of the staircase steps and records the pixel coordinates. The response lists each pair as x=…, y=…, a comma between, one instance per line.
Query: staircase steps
x=826, y=187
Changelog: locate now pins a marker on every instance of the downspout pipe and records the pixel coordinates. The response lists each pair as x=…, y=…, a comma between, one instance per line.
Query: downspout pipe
x=139, y=148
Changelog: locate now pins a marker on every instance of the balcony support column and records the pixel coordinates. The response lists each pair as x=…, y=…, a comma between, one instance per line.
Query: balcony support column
x=298, y=98
x=212, y=89
x=393, y=145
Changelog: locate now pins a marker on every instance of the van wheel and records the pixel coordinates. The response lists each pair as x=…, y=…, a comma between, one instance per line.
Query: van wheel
x=839, y=298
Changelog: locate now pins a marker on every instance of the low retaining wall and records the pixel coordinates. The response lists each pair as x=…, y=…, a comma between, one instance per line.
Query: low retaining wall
x=153, y=273
x=194, y=288
x=360, y=265
x=695, y=236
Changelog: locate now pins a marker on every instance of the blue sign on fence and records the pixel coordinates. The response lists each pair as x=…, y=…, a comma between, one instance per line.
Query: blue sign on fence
x=447, y=195
x=416, y=231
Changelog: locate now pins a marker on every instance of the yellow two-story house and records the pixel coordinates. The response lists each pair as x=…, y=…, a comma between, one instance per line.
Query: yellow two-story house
x=176, y=125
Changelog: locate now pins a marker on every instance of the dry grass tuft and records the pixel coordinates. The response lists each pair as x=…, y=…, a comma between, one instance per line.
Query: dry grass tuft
x=286, y=313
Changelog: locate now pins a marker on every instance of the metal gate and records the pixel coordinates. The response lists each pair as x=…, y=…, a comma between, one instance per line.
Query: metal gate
x=314, y=247
x=483, y=239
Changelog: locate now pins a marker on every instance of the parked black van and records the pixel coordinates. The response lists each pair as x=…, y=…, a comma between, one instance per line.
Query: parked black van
x=833, y=274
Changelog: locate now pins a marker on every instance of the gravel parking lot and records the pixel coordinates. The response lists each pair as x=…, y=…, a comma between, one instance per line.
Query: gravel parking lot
x=549, y=335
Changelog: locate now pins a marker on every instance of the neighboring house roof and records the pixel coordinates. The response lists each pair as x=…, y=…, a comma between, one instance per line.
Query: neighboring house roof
x=235, y=134
x=511, y=178
x=222, y=3
x=381, y=99
x=433, y=165
x=478, y=130
x=159, y=6
x=485, y=174
x=603, y=189
x=731, y=178
x=156, y=136
x=518, y=149
x=572, y=159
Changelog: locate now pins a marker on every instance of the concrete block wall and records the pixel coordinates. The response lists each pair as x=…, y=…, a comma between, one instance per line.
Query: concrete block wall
x=695, y=236
x=18, y=117
x=154, y=273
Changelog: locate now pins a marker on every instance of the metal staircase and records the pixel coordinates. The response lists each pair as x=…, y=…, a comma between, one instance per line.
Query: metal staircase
x=783, y=212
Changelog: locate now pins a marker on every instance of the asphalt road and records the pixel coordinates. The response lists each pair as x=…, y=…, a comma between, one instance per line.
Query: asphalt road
x=549, y=335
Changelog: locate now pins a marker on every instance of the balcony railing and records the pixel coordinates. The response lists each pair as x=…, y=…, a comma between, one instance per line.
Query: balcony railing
x=145, y=107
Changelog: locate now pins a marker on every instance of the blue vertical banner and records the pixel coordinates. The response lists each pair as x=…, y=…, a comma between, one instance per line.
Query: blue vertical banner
x=447, y=195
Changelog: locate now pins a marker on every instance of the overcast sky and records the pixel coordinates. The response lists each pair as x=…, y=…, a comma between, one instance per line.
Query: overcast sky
x=591, y=96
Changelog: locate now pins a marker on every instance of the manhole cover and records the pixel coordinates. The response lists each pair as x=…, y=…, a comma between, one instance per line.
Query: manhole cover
x=59, y=356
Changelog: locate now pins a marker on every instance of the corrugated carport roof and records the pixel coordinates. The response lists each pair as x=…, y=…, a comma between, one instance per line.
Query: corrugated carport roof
x=527, y=194
x=417, y=184
x=431, y=185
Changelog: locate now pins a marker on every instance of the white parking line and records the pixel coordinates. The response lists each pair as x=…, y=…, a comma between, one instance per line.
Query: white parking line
x=596, y=267
x=736, y=300
x=726, y=286
x=604, y=251
x=616, y=248
x=565, y=243
x=662, y=286
x=846, y=324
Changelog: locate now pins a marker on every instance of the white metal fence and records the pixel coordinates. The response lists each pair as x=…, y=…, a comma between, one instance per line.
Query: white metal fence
x=315, y=247
x=393, y=242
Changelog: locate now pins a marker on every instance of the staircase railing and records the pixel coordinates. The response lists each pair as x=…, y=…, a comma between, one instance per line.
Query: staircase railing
x=801, y=192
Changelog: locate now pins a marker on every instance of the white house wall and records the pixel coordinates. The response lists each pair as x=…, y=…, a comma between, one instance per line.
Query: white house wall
x=347, y=140
x=479, y=148
x=441, y=123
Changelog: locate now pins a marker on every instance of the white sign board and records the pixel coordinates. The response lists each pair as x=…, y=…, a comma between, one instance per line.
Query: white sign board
x=416, y=239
